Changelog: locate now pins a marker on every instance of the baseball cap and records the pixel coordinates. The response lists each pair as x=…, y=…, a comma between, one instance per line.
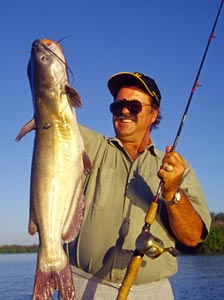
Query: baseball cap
x=144, y=82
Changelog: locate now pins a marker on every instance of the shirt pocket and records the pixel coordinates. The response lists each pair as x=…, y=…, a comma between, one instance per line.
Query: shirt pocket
x=106, y=188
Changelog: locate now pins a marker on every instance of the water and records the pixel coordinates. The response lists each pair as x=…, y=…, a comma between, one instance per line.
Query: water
x=199, y=277
x=16, y=276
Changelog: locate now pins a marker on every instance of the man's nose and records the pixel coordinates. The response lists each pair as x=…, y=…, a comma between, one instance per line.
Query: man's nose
x=125, y=111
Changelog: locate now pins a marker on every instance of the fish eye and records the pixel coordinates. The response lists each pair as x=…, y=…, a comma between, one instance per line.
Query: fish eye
x=43, y=58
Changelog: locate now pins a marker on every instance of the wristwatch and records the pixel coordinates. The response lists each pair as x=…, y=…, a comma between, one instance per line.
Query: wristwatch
x=175, y=199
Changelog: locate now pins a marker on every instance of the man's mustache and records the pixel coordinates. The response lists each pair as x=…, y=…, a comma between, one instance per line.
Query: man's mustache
x=127, y=117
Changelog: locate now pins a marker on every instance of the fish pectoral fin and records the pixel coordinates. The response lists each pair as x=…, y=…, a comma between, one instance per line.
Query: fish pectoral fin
x=26, y=128
x=32, y=227
x=73, y=95
x=87, y=163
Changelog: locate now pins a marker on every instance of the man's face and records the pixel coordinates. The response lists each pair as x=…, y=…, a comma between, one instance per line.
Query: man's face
x=131, y=127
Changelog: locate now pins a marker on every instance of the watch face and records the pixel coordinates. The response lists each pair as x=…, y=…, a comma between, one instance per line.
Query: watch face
x=177, y=197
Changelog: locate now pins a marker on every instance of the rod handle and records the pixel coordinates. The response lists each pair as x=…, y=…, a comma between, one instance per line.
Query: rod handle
x=150, y=216
x=130, y=275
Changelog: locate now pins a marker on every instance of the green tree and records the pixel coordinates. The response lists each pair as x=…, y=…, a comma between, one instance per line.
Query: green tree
x=214, y=244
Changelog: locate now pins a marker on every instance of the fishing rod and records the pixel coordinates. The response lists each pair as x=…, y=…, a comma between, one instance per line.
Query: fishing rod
x=146, y=243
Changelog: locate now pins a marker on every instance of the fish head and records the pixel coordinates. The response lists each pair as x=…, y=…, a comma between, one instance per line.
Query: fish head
x=47, y=68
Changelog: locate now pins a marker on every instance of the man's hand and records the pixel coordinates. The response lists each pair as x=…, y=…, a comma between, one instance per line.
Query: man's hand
x=186, y=224
x=171, y=172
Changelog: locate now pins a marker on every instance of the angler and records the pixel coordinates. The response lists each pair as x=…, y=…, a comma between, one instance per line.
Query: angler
x=126, y=173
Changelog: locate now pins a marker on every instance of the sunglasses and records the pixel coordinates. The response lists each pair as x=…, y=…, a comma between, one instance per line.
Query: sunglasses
x=134, y=106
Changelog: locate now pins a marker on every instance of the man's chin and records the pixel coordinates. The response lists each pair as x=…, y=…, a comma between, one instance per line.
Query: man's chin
x=123, y=134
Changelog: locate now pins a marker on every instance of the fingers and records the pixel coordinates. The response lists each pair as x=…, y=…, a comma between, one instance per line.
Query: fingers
x=171, y=171
x=173, y=158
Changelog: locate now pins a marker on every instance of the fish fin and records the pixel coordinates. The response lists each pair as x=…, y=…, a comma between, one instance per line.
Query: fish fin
x=72, y=228
x=86, y=162
x=47, y=282
x=26, y=128
x=73, y=95
x=32, y=227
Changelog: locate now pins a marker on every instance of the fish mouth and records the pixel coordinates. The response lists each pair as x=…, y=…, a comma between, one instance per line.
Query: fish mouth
x=44, y=52
x=44, y=49
x=37, y=44
x=40, y=46
x=40, y=51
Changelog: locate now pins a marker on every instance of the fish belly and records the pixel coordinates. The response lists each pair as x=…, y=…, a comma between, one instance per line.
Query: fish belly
x=56, y=193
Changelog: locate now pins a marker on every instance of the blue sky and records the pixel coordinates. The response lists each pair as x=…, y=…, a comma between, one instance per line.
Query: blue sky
x=162, y=38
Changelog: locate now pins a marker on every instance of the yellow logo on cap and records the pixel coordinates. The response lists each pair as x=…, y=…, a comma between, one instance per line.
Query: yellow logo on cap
x=138, y=75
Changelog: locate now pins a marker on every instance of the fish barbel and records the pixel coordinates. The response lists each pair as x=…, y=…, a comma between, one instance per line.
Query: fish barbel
x=59, y=159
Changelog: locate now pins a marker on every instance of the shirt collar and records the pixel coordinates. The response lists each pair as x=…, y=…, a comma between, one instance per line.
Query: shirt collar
x=151, y=147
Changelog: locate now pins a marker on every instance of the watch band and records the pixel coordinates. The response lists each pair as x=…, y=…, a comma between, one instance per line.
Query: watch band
x=175, y=199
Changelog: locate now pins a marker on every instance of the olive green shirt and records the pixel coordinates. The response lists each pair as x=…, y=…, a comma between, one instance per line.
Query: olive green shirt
x=118, y=194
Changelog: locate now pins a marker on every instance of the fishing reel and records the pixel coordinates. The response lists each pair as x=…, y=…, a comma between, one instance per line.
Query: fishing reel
x=152, y=246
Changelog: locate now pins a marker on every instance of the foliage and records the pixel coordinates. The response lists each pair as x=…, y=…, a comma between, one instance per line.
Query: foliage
x=18, y=249
x=214, y=244
x=217, y=217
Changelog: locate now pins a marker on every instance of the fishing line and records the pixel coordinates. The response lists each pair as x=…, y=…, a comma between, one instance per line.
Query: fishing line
x=131, y=29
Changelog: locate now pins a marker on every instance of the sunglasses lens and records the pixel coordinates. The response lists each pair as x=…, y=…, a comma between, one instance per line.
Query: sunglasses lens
x=134, y=106
x=116, y=108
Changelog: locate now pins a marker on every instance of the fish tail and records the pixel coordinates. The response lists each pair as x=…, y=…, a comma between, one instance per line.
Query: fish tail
x=54, y=280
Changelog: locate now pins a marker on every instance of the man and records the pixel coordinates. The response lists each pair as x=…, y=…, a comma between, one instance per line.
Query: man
x=126, y=173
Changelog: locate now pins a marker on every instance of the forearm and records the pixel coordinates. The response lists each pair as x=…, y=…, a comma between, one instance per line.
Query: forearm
x=185, y=223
